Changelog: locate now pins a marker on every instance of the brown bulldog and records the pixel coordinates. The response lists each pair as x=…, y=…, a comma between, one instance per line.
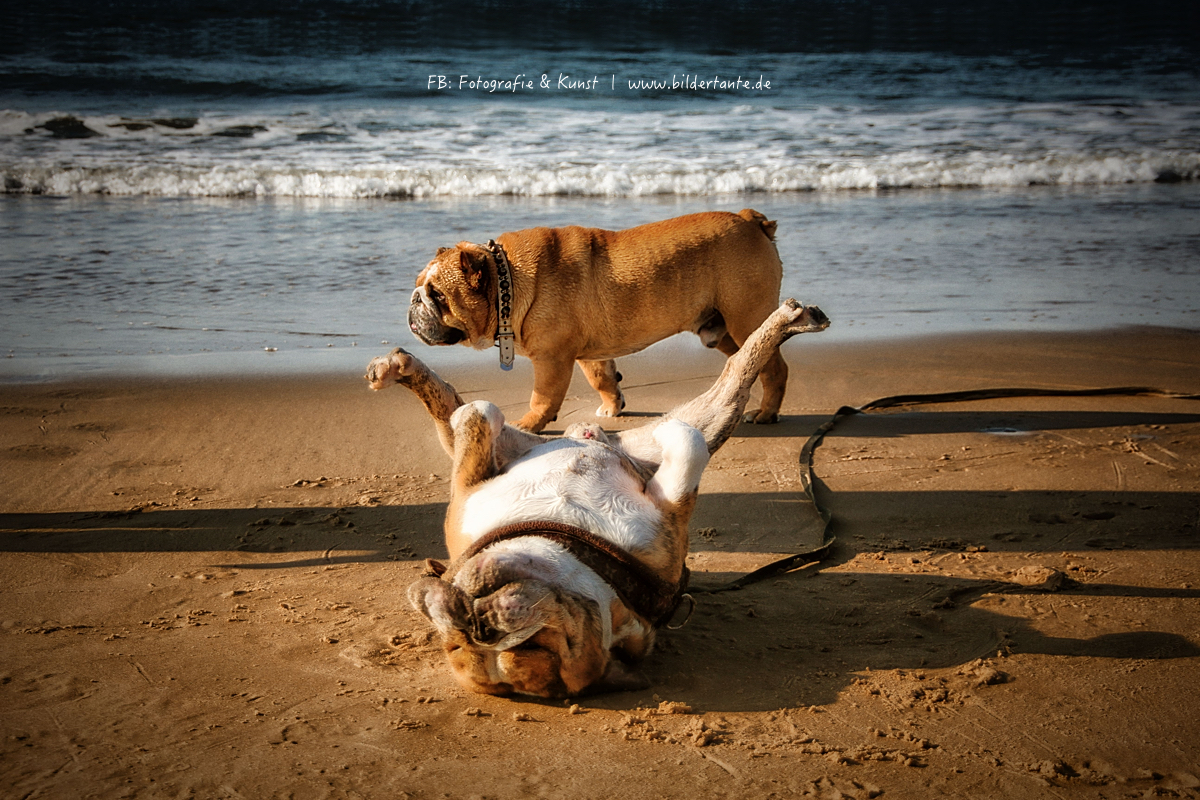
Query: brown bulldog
x=583, y=295
x=569, y=552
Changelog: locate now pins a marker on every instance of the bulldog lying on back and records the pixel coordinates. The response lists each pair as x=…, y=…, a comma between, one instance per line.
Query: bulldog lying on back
x=568, y=552
x=570, y=295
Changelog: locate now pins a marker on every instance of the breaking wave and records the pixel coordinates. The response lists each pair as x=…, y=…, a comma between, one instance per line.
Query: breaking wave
x=594, y=181
x=494, y=150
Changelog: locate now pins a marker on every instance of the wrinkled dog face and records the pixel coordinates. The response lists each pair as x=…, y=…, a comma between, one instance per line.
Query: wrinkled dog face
x=451, y=303
x=527, y=637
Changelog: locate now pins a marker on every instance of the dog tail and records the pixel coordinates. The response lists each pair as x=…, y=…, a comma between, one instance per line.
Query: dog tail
x=767, y=225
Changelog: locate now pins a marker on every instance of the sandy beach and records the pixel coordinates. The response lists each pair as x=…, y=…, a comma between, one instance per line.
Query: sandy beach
x=203, y=584
x=213, y=216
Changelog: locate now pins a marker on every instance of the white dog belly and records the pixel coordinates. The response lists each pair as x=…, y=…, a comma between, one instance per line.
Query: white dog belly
x=568, y=481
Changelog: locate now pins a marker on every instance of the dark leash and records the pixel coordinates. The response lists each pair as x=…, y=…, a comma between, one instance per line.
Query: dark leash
x=820, y=553
x=658, y=601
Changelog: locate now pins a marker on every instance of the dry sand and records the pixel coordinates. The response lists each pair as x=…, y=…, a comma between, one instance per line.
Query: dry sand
x=203, y=591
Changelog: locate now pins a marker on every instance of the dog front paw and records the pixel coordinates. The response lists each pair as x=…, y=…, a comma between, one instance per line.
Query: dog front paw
x=534, y=421
x=761, y=417
x=383, y=371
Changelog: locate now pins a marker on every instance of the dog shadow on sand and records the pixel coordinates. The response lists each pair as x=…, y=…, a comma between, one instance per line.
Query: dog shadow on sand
x=799, y=640
x=922, y=579
x=794, y=640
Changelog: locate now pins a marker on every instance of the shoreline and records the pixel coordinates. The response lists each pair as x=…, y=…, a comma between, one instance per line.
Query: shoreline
x=332, y=362
x=305, y=281
x=204, y=582
x=81, y=425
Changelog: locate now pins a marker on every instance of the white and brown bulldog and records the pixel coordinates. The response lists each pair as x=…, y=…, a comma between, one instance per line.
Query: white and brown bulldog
x=567, y=553
x=562, y=296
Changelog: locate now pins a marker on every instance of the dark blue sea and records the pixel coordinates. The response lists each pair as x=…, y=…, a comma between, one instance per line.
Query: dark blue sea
x=220, y=187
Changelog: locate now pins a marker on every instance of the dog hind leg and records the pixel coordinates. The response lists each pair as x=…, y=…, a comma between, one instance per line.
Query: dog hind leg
x=604, y=378
x=774, y=383
x=673, y=489
x=684, y=457
x=716, y=412
x=773, y=377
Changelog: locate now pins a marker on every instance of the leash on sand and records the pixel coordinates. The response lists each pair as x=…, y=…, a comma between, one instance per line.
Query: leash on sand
x=818, y=554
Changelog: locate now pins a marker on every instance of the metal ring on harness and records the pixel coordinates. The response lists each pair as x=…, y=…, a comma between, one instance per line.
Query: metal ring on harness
x=691, y=607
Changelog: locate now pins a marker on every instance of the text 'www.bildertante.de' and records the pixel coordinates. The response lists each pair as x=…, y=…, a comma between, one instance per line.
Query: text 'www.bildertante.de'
x=567, y=82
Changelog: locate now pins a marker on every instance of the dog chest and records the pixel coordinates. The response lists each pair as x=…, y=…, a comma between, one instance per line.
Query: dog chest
x=576, y=483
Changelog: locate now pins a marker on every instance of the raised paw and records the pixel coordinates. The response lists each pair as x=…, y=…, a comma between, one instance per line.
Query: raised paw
x=383, y=371
x=798, y=318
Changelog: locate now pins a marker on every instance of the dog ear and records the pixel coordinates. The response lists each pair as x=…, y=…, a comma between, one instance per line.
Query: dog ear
x=442, y=603
x=473, y=265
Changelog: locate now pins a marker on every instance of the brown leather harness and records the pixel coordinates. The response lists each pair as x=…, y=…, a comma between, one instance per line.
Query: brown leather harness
x=648, y=595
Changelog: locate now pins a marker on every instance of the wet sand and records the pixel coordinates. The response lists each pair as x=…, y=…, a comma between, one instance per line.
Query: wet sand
x=203, y=589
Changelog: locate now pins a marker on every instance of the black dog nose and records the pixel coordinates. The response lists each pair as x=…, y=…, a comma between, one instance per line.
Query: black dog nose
x=483, y=633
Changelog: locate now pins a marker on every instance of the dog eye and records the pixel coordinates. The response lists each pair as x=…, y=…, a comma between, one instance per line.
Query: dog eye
x=439, y=300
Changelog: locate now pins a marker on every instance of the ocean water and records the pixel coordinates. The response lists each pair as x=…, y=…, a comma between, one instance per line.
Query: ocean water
x=223, y=187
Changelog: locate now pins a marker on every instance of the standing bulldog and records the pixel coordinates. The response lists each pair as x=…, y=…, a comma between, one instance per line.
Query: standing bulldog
x=564, y=296
x=569, y=552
